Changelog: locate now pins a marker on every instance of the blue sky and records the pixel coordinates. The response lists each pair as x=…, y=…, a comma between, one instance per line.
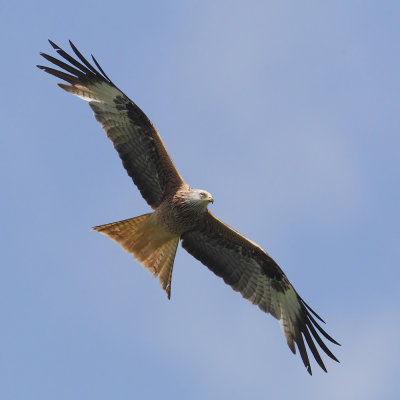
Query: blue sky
x=287, y=112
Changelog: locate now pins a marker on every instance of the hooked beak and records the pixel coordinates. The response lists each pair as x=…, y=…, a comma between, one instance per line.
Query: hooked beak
x=211, y=200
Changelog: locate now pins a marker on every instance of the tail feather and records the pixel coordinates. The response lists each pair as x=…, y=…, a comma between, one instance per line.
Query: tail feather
x=148, y=242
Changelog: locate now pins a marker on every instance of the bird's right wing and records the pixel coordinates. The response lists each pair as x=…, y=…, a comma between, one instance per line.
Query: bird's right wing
x=135, y=138
x=248, y=269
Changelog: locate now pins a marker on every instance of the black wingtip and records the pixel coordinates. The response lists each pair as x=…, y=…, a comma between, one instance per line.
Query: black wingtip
x=325, y=334
x=53, y=45
x=101, y=69
x=83, y=59
x=73, y=47
x=310, y=309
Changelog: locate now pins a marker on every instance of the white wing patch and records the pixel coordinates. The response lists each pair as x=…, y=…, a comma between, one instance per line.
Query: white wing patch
x=101, y=92
x=289, y=312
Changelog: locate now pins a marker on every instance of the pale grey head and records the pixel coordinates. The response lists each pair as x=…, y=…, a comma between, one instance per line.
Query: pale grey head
x=198, y=198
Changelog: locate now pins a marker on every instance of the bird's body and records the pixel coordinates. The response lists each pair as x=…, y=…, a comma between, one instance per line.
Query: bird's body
x=183, y=210
x=153, y=238
x=180, y=212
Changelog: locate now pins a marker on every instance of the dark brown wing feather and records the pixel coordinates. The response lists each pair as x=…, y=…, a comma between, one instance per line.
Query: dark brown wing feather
x=135, y=138
x=249, y=270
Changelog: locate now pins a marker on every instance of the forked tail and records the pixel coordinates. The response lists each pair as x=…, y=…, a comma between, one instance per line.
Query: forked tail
x=148, y=242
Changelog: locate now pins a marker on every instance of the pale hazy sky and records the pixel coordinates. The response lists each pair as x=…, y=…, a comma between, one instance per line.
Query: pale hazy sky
x=288, y=113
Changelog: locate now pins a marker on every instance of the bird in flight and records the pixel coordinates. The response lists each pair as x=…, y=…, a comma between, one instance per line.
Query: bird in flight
x=180, y=213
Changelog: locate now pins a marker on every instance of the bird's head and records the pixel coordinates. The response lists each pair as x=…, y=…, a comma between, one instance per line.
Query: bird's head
x=200, y=198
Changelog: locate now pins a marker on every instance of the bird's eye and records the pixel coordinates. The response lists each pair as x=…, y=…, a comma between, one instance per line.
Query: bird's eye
x=202, y=195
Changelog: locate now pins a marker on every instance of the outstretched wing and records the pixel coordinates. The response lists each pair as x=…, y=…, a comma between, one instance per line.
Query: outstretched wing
x=135, y=138
x=248, y=269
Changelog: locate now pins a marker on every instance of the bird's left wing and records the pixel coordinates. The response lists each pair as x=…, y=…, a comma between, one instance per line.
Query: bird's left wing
x=135, y=138
x=248, y=269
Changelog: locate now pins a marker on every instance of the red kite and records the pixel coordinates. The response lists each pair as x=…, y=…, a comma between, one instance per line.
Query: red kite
x=180, y=212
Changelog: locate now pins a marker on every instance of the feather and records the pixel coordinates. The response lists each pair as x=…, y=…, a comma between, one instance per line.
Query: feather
x=148, y=242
